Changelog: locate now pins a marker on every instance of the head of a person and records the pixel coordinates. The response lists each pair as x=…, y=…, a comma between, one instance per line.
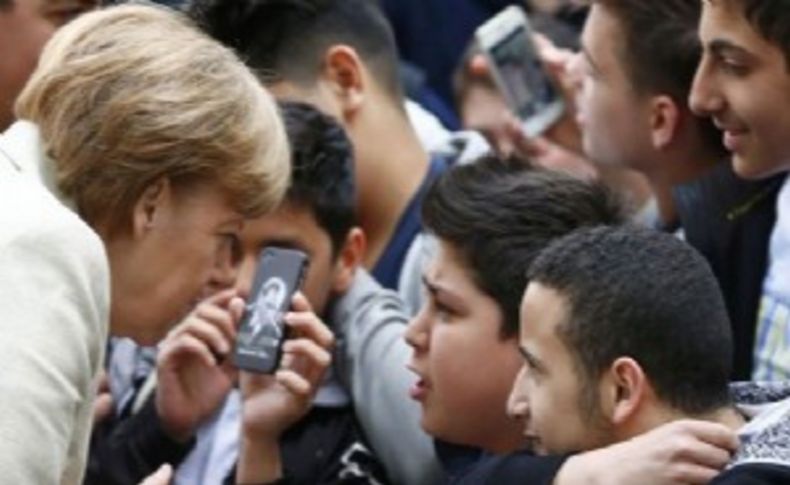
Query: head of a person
x=317, y=214
x=743, y=81
x=622, y=329
x=339, y=55
x=165, y=143
x=634, y=76
x=25, y=26
x=490, y=219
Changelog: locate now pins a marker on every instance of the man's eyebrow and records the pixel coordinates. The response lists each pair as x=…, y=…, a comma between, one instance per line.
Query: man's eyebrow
x=723, y=46
x=531, y=359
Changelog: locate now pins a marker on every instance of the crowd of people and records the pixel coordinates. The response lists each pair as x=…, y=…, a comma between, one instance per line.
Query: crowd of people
x=607, y=302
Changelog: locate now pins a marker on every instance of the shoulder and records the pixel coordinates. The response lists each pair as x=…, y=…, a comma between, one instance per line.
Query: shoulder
x=755, y=474
x=34, y=222
x=367, y=299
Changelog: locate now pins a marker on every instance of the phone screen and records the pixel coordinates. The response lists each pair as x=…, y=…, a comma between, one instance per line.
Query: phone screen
x=522, y=74
x=262, y=331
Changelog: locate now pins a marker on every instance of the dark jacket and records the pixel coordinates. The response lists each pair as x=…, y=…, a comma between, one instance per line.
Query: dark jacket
x=729, y=221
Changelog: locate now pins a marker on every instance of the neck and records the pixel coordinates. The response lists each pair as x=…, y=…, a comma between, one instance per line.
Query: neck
x=660, y=415
x=672, y=168
x=391, y=164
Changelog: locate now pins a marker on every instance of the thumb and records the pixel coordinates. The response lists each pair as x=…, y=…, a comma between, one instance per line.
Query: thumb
x=236, y=308
x=161, y=477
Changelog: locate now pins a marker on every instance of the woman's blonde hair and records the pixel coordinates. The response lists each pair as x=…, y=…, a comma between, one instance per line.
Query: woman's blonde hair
x=129, y=95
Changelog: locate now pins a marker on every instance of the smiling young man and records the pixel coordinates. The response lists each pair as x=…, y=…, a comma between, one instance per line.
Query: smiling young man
x=637, y=70
x=624, y=330
x=742, y=83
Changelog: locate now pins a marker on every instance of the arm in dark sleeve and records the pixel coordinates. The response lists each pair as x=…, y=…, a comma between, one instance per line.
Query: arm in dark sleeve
x=754, y=474
x=516, y=468
x=127, y=451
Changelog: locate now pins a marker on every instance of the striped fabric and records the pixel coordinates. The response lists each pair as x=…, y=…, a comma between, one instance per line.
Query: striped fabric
x=772, y=342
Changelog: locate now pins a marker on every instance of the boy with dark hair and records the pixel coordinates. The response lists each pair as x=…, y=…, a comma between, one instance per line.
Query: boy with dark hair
x=623, y=330
x=491, y=219
x=638, y=64
x=340, y=55
x=742, y=83
x=193, y=419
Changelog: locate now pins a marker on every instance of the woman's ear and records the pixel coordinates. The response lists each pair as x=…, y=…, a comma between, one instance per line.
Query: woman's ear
x=151, y=206
x=349, y=258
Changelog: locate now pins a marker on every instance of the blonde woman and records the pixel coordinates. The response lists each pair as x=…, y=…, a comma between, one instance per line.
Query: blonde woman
x=144, y=147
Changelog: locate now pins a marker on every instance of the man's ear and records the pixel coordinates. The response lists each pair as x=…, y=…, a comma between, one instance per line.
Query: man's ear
x=150, y=207
x=345, y=73
x=624, y=390
x=349, y=258
x=665, y=121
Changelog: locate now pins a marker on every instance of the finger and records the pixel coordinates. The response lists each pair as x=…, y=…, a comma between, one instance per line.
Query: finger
x=236, y=308
x=222, y=298
x=211, y=335
x=706, y=455
x=294, y=383
x=104, y=382
x=161, y=477
x=478, y=66
x=309, y=360
x=307, y=324
x=221, y=317
x=712, y=433
x=309, y=350
x=102, y=407
x=691, y=474
x=187, y=345
x=524, y=146
x=300, y=303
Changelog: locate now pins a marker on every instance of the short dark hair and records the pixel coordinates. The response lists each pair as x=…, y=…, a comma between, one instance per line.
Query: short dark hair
x=771, y=19
x=501, y=213
x=287, y=39
x=4, y=4
x=647, y=295
x=322, y=177
x=661, y=51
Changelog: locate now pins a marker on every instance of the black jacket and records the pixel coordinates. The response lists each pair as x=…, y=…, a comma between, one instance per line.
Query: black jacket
x=729, y=221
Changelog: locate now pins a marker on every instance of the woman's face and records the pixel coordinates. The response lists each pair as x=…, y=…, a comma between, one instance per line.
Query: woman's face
x=180, y=240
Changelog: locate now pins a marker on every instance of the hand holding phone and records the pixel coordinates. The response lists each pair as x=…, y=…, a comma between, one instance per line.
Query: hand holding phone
x=517, y=69
x=262, y=331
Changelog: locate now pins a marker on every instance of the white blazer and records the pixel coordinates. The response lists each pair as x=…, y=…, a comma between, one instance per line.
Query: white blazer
x=54, y=316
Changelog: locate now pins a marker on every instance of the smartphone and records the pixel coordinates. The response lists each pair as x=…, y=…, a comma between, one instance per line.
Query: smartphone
x=259, y=343
x=518, y=71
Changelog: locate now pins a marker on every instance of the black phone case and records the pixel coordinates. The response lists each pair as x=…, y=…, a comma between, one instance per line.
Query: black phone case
x=262, y=330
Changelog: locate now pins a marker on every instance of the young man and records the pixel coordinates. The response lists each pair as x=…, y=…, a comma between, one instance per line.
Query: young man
x=623, y=330
x=340, y=55
x=25, y=26
x=742, y=83
x=491, y=219
x=190, y=406
x=636, y=68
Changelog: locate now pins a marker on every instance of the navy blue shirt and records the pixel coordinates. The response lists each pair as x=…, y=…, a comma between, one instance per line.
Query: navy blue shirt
x=464, y=465
x=388, y=267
